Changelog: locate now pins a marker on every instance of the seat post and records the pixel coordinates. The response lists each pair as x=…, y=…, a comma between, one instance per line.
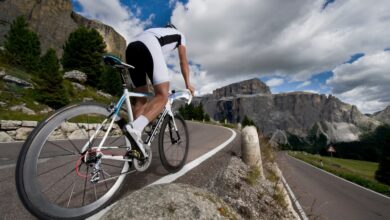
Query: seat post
x=123, y=71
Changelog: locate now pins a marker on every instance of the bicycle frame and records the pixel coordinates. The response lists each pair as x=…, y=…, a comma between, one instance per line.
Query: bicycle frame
x=125, y=98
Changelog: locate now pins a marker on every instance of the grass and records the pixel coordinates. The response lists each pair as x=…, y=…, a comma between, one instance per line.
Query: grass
x=14, y=95
x=359, y=172
x=252, y=175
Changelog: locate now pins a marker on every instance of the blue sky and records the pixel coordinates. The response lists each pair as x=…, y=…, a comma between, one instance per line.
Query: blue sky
x=321, y=46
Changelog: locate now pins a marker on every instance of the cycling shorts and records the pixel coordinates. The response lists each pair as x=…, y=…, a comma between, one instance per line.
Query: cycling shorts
x=146, y=55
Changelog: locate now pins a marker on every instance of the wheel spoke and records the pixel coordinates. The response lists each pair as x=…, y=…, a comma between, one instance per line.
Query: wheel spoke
x=85, y=185
x=63, y=177
x=62, y=165
x=71, y=194
x=58, y=146
x=66, y=189
x=73, y=144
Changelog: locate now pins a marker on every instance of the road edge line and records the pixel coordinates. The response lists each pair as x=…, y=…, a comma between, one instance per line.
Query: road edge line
x=172, y=177
x=294, y=199
x=191, y=165
x=362, y=187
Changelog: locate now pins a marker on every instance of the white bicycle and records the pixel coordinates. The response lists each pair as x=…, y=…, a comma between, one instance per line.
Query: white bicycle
x=75, y=161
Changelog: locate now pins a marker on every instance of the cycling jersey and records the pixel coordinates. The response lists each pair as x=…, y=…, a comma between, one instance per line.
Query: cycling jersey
x=146, y=54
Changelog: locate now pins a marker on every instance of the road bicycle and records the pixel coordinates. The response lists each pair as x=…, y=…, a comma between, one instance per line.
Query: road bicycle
x=74, y=162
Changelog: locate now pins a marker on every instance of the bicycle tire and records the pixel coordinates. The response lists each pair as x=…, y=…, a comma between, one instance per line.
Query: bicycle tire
x=167, y=141
x=30, y=178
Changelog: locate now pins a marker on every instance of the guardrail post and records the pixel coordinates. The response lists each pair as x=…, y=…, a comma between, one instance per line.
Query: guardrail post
x=250, y=148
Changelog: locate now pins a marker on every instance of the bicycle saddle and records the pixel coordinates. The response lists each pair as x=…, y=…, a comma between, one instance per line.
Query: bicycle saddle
x=115, y=62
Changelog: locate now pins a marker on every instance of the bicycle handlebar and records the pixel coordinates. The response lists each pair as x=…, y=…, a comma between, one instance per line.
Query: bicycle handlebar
x=184, y=94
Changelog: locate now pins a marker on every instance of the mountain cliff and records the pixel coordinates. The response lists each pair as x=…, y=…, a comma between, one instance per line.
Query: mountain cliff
x=383, y=116
x=251, y=86
x=53, y=21
x=296, y=113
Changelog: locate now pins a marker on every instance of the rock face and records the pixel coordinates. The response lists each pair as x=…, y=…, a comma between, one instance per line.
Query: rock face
x=247, y=87
x=173, y=201
x=383, y=116
x=17, y=81
x=295, y=113
x=53, y=21
x=76, y=76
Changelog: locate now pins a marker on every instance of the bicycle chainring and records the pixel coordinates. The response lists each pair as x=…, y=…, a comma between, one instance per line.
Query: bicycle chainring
x=143, y=164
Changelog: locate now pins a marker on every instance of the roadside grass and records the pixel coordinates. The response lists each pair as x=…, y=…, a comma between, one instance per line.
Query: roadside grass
x=359, y=172
x=13, y=95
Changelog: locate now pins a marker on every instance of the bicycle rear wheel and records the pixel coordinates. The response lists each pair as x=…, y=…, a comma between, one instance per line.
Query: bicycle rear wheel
x=173, y=144
x=53, y=176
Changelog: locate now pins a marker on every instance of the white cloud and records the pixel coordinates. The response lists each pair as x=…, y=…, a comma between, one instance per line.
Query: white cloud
x=275, y=82
x=364, y=83
x=304, y=84
x=115, y=14
x=295, y=39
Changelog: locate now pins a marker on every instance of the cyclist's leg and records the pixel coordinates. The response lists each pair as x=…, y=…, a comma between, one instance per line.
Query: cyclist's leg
x=140, y=103
x=155, y=106
x=138, y=55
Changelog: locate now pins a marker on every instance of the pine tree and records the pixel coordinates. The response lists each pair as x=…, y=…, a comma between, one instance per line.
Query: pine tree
x=22, y=46
x=83, y=51
x=383, y=137
x=51, y=89
x=110, y=81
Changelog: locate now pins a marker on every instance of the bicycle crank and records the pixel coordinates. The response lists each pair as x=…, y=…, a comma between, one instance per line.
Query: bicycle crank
x=143, y=164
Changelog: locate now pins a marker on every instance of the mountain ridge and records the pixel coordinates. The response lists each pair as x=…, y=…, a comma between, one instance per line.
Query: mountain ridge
x=297, y=113
x=53, y=21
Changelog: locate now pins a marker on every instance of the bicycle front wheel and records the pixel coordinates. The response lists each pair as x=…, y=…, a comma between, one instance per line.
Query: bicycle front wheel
x=173, y=143
x=53, y=173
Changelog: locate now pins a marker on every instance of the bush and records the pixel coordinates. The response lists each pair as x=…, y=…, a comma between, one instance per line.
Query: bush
x=22, y=46
x=247, y=122
x=83, y=51
x=51, y=89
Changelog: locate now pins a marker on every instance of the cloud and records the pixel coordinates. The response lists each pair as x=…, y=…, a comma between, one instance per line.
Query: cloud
x=304, y=84
x=115, y=14
x=365, y=83
x=274, y=82
x=293, y=39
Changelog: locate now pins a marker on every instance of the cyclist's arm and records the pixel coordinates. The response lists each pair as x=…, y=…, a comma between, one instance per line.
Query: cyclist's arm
x=185, y=70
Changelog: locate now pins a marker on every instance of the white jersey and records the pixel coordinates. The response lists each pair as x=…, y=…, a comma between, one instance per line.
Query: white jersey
x=159, y=42
x=168, y=38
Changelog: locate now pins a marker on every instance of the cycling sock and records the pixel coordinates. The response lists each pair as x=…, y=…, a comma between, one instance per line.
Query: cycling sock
x=140, y=123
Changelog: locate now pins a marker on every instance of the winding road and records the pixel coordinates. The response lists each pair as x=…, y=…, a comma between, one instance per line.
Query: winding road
x=325, y=196
x=203, y=139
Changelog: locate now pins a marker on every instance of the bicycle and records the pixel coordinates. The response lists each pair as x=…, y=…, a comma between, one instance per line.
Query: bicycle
x=75, y=162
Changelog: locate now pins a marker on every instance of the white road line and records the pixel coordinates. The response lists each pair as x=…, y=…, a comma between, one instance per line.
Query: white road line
x=295, y=200
x=172, y=177
x=341, y=178
x=191, y=165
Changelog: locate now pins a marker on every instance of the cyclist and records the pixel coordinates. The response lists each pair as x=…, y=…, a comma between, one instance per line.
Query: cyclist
x=146, y=54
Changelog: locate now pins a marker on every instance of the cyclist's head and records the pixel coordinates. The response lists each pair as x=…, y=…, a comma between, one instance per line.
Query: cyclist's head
x=170, y=25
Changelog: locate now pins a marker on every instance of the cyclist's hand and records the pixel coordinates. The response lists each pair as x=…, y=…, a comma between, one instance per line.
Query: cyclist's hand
x=192, y=89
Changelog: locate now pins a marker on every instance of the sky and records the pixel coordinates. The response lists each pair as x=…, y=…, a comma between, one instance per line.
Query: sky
x=338, y=47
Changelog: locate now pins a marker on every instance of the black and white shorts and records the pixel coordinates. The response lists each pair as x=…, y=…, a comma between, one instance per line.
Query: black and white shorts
x=146, y=55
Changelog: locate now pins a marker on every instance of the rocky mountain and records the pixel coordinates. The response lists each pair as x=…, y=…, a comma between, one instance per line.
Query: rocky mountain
x=296, y=113
x=383, y=116
x=247, y=87
x=53, y=21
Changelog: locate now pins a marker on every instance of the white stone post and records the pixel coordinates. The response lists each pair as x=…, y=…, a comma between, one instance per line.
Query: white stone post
x=250, y=148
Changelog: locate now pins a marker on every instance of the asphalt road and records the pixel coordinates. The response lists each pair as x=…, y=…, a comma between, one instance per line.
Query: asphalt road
x=323, y=196
x=203, y=138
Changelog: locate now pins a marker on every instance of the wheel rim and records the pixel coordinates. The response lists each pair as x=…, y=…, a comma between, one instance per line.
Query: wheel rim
x=59, y=183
